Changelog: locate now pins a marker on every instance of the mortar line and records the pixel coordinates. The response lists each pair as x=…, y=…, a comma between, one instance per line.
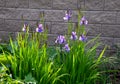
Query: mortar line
x=28, y=4
x=56, y=9
x=103, y=5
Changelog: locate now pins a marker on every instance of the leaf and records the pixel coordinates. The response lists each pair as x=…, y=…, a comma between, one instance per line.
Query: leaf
x=29, y=78
x=101, y=55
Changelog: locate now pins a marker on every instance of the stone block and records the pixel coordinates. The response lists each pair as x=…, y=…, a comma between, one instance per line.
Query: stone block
x=47, y=4
x=4, y=36
x=54, y=15
x=9, y=13
x=34, y=24
x=31, y=14
x=27, y=14
x=93, y=41
x=94, y=4
x=74, y=17
x=57, y=15
x=48, y=27
x=107, y=17
x=116, y=44
x=17, y=3
x=2, y=12
x=112, y=5
x=64, y=4
x=118, y=18
x=117, y=41
x=106, y=41
x=59, y=28
x=2, y=3
x=110, y=30
x=13, y=26
x=93, y=29
x=81, y=4
x=17, y=25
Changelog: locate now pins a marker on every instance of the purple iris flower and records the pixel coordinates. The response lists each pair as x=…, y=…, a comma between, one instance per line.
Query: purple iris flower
x=68, y=15
x=82, y=38
x=67, y=48
x=73, y=36
x=25, y=26
x=83, y=21
x=39, y=28
x=60, y=39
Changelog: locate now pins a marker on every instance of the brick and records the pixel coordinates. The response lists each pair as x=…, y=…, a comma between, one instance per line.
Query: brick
x=27, y=14
x=2, y=3
x=93, y=29
x=94, y=4
x=112, y=5
x=110, y=30
x=4, y=36
x=40, y=4
x=2, y=24
x=101, y=17
x=17, y=3
x=65, y=4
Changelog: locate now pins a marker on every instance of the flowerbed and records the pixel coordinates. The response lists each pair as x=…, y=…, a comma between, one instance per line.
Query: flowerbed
x=70, y=61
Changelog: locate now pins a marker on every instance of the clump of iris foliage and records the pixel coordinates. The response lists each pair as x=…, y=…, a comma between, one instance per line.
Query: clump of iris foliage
x=71, y=61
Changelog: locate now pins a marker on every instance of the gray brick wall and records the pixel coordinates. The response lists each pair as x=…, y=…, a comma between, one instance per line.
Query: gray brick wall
x=103, y=17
